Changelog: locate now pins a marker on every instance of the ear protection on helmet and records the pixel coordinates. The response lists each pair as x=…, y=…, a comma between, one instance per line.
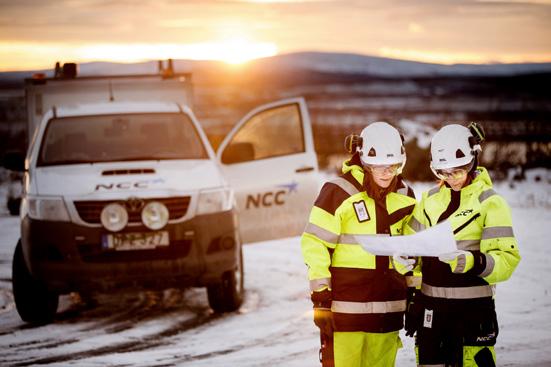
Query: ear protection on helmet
x=352, y=143
x=478, y=136
x=477, y=131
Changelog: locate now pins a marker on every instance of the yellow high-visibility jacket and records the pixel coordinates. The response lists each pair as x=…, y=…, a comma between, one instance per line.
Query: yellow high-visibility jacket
x=482, y=225
x=368, y=294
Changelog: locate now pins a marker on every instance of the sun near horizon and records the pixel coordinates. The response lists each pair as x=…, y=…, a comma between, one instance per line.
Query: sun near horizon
x=29, y=56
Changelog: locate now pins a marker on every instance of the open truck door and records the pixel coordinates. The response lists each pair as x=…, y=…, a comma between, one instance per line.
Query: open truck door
x=270, y=161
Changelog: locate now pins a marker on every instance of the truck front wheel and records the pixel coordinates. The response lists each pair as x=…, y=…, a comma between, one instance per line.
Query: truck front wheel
x=34, y=302
x=227, y=295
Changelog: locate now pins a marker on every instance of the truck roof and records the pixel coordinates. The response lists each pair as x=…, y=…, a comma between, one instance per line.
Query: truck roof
x=103, y=108
x=41, y=79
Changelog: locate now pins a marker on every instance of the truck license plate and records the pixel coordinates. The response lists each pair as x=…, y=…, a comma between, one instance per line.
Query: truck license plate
x=135, y=240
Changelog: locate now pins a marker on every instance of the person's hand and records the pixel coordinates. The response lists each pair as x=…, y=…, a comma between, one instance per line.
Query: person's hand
x=460, y=261
x=323, y=317
x=402, y=264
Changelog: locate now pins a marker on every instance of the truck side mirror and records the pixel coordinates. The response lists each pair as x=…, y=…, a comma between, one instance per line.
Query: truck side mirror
x=14, y=161
x=237, y=153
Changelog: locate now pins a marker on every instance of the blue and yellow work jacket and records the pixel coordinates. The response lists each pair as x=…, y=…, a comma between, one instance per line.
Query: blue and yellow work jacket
x=481, y=222
x=367, y=293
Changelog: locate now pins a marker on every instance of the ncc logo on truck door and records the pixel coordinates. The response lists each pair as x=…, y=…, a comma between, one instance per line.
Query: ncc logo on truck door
x=271, y=198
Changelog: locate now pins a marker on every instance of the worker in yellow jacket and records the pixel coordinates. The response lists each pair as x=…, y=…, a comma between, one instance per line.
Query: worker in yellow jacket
x=454, y=315
x=358, y=297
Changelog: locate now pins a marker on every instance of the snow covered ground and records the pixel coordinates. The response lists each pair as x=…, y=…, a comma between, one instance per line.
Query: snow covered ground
x=273, y=327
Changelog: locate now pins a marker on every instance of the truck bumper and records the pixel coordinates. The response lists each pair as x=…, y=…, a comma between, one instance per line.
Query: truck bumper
x=69, y=257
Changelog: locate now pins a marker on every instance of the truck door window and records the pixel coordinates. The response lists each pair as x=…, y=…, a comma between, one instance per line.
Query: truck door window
x=270, y=133
x=109, y=138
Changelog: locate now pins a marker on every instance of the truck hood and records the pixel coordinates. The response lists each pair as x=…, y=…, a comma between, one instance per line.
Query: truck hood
x=123, y=179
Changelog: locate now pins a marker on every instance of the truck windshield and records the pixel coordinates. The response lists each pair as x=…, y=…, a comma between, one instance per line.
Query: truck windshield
x=109, y=138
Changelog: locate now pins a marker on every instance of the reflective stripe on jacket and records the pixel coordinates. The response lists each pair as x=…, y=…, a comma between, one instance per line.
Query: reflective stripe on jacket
x=482, y=224
x=368, y=295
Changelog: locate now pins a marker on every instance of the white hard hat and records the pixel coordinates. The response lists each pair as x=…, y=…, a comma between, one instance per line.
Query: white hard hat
x=453, y=146
x=382, y=144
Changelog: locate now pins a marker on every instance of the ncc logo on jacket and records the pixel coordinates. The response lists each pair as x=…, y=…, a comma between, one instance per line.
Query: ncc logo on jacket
x=464, y=213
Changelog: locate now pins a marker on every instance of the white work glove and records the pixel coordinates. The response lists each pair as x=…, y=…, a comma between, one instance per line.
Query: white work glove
x=402, y=264
x=460, y=261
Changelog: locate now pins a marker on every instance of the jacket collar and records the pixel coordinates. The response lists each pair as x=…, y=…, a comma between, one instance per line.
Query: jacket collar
x=480, y=182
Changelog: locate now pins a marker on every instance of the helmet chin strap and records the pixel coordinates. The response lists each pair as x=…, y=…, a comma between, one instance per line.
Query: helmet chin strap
x=434, y=171
x=474, y=164
x=402, y=167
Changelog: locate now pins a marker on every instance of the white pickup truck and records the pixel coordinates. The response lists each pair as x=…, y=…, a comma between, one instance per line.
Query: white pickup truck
x=126, y=193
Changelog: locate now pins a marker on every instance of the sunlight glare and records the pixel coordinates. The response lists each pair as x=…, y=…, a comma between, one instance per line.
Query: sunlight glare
x=42, y=55
x=238, y=50
x=233, y=51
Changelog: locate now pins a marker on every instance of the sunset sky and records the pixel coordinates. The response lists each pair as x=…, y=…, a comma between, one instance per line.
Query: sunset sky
x=36, y=33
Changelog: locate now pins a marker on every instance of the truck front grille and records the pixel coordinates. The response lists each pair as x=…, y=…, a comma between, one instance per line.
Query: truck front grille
x=90, y=211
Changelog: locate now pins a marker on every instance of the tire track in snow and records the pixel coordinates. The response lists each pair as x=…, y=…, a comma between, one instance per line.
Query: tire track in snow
x=203, y=317
x=144, y=343
x=285, y=335
x=145, y=307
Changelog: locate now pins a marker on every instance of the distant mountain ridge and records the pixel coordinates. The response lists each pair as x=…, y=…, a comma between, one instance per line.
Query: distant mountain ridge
x=321, y=62
x=387, y=67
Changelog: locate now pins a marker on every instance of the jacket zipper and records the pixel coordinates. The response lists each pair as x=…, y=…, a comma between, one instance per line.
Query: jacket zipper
x=427, y=216
x=466, y=223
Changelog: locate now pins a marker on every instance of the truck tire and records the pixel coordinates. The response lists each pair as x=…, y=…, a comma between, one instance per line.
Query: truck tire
x=227, y=295
x=13, y=206
x=34, y=302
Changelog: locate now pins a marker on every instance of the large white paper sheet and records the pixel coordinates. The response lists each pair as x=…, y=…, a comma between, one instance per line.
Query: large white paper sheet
x=433, y=241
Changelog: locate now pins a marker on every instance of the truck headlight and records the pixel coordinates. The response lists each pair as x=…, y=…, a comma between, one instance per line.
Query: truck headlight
x=47, y=208
x=155, y=215
x=212, y=201
x=114, y=217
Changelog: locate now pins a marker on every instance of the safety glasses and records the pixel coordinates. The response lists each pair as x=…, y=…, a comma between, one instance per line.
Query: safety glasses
x=456, y=173
x=379, y=170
